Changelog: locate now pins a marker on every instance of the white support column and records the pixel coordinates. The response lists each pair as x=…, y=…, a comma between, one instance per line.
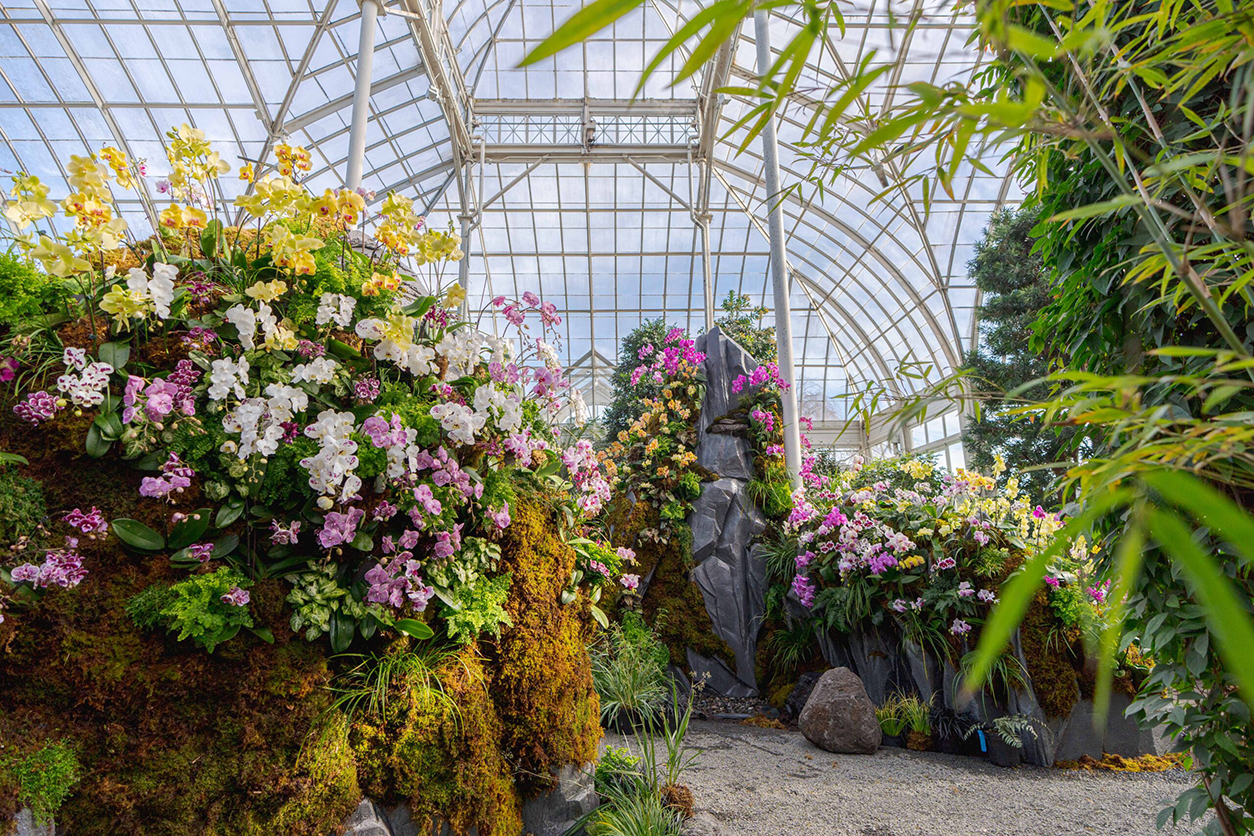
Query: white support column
x=361, y=94
x=779, y=270
x=703, y=222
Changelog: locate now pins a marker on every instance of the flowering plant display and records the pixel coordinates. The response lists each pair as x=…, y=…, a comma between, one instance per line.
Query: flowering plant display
x=654, y=457
x=901, y=540
x=302, y=407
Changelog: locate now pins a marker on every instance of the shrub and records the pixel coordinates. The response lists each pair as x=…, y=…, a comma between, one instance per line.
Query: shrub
x=22, y=506
x=617, y=770
x=26, y=293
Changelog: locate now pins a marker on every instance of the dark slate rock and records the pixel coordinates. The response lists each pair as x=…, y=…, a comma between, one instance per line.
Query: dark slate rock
x=726, y=455
x=1123, y=736
x=717, y=676
x=555, y=812
x=401, y=822
x=709, y=512
x=839, y=716
x=791, y=712
x=367, y=820
x=724, y=362
x=876, y=654
x=1077, y=737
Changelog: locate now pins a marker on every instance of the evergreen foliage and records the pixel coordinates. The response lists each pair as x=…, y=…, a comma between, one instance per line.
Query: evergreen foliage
x=1016, y=287
x=742, y=321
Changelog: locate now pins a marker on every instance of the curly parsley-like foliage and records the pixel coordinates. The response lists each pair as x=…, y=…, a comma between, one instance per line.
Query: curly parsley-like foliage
x=145, y=609
x=199, y=613
x=44, y=779
x=482, y=609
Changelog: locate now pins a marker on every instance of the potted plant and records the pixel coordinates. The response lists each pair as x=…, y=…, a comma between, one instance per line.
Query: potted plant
x=1005, y=738
x=892, y=724
x=917, y=714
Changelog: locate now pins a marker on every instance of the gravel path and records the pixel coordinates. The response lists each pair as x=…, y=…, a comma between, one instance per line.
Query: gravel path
x=763, y=782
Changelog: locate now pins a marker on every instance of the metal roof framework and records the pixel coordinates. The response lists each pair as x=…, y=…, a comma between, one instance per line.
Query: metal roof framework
x=568, y=183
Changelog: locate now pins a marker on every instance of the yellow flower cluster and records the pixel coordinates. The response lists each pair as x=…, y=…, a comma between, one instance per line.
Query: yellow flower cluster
x=380, y=282
x=293, y=250
x=193, y=163
x=31, y=203
x=292, y=158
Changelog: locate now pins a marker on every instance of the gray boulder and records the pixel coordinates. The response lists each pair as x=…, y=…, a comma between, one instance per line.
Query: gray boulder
x=726, y=455
x=839, y=716
x=555, y=812
x=367, y=820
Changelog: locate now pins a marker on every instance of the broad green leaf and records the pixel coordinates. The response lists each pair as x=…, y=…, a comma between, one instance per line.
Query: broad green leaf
x=190, y=530
x=134, y=533
x=97, y=445
x=115, y=354
x=600, y=617
x=584, y=23
x=341, y=633
x=414, y=628
x=110, y=426
x=1228, y=619
x=229, y=513
x=12, y=458
x=263, y=633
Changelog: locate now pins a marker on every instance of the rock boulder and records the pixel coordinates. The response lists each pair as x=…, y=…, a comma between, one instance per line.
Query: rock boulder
x=839, y=716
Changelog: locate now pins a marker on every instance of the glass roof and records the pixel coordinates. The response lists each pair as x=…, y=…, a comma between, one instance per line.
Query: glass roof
x=573, y=193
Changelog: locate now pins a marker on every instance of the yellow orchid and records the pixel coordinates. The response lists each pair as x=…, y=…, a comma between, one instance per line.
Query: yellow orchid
x=23, y=213
x=246, y=172
x=326, y=205
x=85, y=174
x=282, y=337
x=352, y=205
x=398, y=208
x=58, y=259
x=267, y=291
x=294, y=251
x=254, y=204
x=455, y=296
x=380, y=282
x=125, y=304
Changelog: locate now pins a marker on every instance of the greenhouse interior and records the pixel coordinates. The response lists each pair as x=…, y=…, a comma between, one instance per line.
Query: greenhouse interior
x=626, y=417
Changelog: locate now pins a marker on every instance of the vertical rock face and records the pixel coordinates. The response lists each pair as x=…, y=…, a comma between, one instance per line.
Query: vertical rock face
x=556, y=812
x=724, y=522
x=839, y=716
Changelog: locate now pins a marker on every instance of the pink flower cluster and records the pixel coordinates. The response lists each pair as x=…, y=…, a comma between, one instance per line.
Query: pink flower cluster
x=398, y=581
x=236, y=597
x=764, y=419
x=339, y=527
x=585, y=471
x=516, y=313
x=766, y=374
x=159, y=398
x=805, y=589
x=91, y=523
x=61, y=567
x=661, y=364
x=175, y=477
x=38, y=407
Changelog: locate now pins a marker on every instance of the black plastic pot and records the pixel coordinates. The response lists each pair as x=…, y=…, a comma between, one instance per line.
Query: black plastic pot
x=1003, y=754
x=894, y=740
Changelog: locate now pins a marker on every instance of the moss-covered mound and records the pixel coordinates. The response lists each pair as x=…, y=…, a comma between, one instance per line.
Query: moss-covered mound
x=673, y=604
x=442, y=754
x=542, y=678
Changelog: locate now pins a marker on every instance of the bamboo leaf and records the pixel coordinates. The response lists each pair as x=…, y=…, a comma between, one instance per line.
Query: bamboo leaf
x=582, y=25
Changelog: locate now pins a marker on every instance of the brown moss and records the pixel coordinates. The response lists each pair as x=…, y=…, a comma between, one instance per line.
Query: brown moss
x=173, y=740
x=1054, y=680
x=1118, y=763
x=542, y=677
x=679, y=798
x=672, y=605
x=442, y=756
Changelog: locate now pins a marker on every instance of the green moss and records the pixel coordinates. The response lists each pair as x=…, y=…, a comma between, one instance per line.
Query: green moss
x=443, y=756
x=542, y=677
x=22, y=506
x=44, y=778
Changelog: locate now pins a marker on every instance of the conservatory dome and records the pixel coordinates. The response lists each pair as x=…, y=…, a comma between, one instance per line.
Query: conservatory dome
x=570, y=183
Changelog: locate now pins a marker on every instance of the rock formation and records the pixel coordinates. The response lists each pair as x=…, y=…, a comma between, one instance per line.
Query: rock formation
x=839, y=716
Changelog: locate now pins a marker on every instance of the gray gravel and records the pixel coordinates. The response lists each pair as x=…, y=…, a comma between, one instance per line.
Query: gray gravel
x=763, y=782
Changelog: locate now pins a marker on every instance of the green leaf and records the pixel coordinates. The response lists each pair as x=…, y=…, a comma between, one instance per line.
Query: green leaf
x=12, y=458
x=419, y=308
x=584, y=23
x=229, y=513
x=567, y=597
x=263, y=633
x=414, y=628
x=137, y=535
x=363, y=542
x=190, y=530
x=1092, y=210
x=225, y=545
x=115, y=354
x=209, y=238
x=600, y=617
x=1228, y=619
x=342, y=627
x=110, y=426
x=97, y=445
